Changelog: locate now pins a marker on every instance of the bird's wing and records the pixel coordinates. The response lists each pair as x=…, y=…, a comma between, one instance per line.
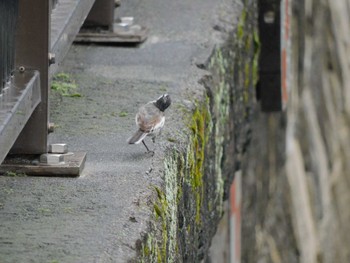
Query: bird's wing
x=149, y=118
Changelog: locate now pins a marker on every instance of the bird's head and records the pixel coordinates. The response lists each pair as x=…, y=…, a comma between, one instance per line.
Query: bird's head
x=163, y=102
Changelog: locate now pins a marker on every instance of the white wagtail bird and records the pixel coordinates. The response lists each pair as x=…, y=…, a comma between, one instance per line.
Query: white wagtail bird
x=150, y=119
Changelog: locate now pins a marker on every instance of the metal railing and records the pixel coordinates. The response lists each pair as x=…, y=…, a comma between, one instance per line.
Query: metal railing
x=8, y=19
x=34, y=38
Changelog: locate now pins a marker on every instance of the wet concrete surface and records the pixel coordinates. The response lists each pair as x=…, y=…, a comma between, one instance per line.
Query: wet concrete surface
x=99, y=216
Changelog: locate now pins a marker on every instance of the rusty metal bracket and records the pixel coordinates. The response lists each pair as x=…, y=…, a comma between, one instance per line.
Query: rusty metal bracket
x=99, y=26
x=123, y=31
x=71, y=165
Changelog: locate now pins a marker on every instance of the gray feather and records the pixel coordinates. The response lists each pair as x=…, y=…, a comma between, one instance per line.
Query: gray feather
x=137, y=137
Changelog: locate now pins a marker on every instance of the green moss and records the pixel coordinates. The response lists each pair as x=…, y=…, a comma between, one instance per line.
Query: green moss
x=14, y=174
x=123, y=114
x=241, y=24
x=188, y=228
x=170, y=139
x=199, y=126
x=149, y=250
x=160, y=209
x=146, y=251
x=64, y=85
x=257, y=47
x=247, y=82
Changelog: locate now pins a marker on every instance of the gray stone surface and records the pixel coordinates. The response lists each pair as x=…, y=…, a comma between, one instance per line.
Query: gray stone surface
x=296, y=173
x=108, y=214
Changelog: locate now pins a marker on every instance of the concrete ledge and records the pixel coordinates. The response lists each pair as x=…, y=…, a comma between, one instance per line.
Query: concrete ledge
x=129, y=206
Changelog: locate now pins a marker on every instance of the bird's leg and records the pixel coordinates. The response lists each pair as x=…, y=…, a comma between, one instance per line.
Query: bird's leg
x=145, y=145
x=148, y=151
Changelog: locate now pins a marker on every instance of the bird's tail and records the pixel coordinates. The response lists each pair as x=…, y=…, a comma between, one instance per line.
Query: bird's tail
x=137, y=137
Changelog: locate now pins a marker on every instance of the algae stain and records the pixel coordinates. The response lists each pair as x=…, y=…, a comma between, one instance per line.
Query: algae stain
x=257, y=47
x=149, y=250
x=161, y=212
x=165, y=212
x=241, y=23
x=200, y=125
x=171, y=195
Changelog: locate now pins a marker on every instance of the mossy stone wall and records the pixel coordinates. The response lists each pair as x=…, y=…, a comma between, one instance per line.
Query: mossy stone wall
x=199, y=169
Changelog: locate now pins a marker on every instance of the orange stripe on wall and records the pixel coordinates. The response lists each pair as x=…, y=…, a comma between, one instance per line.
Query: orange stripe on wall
x=284, y=76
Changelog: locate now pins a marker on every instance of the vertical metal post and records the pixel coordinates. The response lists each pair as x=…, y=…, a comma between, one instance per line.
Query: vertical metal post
x=101, y=14
x=269, y=86
x=8, y=19
x=32, y=48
